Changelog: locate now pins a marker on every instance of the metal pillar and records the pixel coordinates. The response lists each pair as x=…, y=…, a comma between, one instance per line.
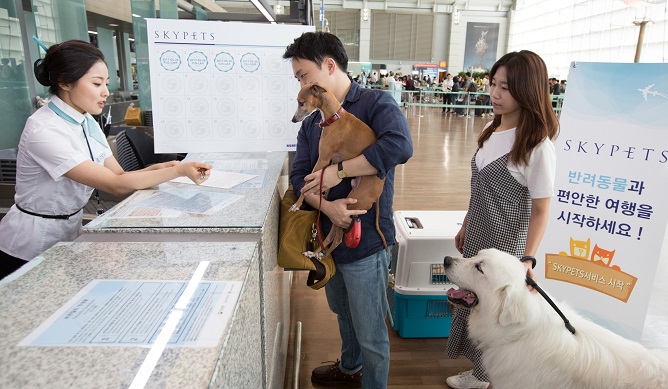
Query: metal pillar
x=641, y=36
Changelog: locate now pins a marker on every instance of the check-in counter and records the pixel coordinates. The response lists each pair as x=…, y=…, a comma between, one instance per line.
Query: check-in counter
x=231, y=357
x=253, y=217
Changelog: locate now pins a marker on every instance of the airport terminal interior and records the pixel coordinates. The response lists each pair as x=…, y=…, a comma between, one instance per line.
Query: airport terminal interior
x=276, y=328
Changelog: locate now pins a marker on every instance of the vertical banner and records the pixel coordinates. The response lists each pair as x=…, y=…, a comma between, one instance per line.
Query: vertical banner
x=480, y=50
x=220, y=87
x=608, y=218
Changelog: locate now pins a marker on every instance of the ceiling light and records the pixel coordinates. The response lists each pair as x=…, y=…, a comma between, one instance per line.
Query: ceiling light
x=265, y=10
x=113, y=25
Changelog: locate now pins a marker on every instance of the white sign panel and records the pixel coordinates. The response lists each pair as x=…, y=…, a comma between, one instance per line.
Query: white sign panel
x=222, y=86
x=608, y=218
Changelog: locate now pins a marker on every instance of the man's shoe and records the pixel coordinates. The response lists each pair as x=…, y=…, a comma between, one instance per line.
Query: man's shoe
x=331, y=375
x=465, y=380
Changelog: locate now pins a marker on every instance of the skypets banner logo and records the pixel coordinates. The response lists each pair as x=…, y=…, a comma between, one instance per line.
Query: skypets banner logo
x=183, y=36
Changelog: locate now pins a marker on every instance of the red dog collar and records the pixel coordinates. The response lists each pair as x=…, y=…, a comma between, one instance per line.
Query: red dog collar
x=335, y=117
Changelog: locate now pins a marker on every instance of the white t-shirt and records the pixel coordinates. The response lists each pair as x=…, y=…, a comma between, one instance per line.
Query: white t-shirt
x=49, y=147
x=485, y=85
x=537, y=175
x=448, y=84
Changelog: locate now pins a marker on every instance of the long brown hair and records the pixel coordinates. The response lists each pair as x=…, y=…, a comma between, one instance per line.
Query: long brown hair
x=527, y=83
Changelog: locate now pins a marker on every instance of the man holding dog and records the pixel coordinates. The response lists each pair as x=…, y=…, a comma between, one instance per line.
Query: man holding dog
x=357, y=292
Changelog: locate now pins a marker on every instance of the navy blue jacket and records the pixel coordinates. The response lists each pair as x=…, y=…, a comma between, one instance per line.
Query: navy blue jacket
x=394, y=146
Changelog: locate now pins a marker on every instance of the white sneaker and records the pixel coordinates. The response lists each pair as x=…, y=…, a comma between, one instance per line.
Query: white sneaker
x=465, y=380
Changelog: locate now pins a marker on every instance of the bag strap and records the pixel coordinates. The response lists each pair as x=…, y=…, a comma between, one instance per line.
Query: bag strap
x=317, y=220
x=315, y=276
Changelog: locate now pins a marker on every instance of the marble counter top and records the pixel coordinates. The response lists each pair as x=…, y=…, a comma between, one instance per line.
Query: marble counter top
x=62, y=271
x=245, y=214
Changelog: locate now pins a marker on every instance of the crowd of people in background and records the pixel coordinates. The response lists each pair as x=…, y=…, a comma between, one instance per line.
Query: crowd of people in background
x=464, y=80
x=474, y=87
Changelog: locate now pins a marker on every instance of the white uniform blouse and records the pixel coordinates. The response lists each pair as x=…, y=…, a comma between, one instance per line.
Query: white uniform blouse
x=49, y=147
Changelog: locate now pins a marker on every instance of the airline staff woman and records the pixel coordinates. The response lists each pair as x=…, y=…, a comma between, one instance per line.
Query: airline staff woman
x=63, y=155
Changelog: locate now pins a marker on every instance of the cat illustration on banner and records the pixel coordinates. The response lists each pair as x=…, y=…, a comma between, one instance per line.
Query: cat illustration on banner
x=580, y=249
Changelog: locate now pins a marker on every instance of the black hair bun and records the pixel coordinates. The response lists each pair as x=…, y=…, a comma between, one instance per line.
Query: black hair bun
x=41, y=74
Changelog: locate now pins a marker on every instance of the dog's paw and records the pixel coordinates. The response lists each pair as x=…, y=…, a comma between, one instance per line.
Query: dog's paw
x=311, y=254
x=294, y=208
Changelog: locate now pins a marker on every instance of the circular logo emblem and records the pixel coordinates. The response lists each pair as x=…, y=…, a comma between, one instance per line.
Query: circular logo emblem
x=172, y=106
x=199, y=106
x=250, y=62
x=171, y=84
x=276, y=63
x=225, y=83
x=174, y=130
x=276, y=85
x=197, y=61
x=252, y=128
x=170, y=60
x=227, y=106
x=224, y=62
x=198, y=83
x=251, y=107
x=200, y=129
x=226, y=128
x=276, y=128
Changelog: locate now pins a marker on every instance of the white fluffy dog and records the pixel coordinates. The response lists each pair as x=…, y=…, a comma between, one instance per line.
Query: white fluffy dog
x=524, y=342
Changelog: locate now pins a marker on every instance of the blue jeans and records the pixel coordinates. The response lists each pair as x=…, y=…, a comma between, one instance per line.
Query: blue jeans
x=357, y=294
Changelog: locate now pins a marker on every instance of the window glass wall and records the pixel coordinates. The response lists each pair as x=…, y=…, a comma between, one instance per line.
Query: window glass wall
x=15, y=104
x=588, y=30
x=345, y=24
x=57, y=21
x=398, y=36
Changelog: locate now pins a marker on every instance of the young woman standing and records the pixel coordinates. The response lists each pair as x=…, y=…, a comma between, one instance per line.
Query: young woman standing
x=511, y=184
x=63, y=156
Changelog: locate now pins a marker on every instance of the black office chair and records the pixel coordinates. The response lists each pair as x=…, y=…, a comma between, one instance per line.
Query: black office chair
x=142, y=145
x=125, y=154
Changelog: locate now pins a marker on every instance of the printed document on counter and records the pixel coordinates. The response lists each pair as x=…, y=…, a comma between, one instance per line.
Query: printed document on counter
x=245, y=163
x=132, y=313
x=171, y=202
x=219, y=179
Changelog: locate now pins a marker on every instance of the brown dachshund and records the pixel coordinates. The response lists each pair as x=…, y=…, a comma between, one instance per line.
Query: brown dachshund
x=343, y=137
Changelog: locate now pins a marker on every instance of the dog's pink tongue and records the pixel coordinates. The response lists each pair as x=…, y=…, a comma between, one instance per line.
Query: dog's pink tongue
x=461, y=294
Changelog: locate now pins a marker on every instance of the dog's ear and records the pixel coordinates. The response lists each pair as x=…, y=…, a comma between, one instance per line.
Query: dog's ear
x=512, y=309
x=316, y=89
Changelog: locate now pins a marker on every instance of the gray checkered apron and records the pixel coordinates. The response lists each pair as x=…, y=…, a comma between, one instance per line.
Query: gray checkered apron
x=498, y=217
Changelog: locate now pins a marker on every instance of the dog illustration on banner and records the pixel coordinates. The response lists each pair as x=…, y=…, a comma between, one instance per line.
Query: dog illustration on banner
x=591, y=268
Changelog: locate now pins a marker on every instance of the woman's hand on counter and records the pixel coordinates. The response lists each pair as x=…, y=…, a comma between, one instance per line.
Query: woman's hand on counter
x=198, y=172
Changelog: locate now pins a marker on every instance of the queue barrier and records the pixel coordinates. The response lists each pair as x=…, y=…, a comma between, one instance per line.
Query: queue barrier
x=429, y=97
